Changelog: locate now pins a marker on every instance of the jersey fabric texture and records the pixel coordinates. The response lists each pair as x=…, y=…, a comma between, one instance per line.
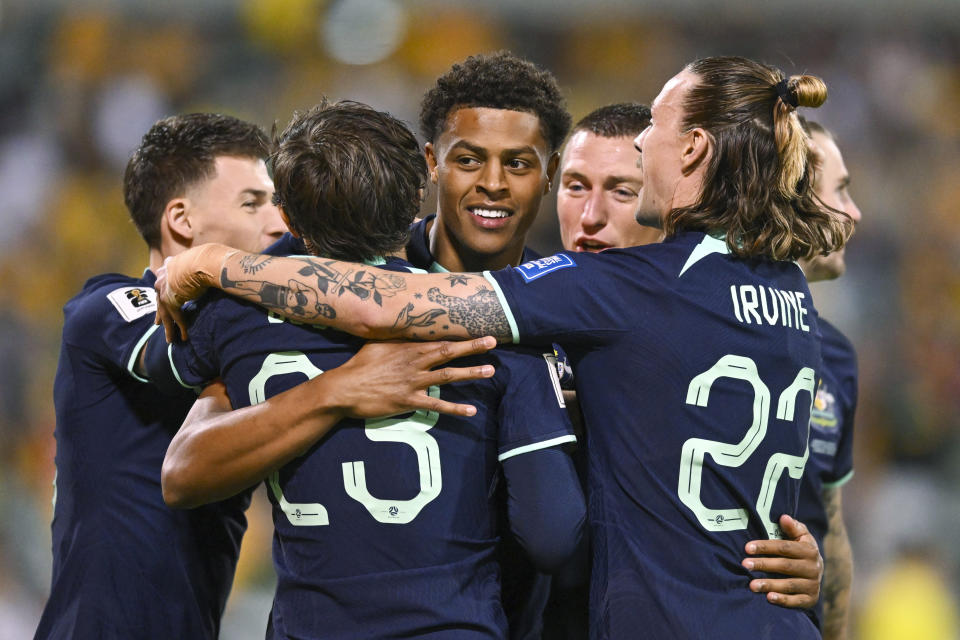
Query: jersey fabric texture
x=124, y=564
x=525, y=590
x=384, y=528
x=831, y=434
x=695, y=371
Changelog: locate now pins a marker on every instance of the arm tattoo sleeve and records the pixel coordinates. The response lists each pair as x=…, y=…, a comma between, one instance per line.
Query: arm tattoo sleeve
x=316, y=290
x=838, y=569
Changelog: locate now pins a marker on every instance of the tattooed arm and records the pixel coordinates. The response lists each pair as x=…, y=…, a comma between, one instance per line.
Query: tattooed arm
x=364, y=301
x=838, y=569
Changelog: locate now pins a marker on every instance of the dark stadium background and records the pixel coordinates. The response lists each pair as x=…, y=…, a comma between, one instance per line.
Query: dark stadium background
x=81, y=80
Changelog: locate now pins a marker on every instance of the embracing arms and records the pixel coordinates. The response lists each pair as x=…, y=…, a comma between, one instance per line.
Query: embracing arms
x=367, y=302
x=219, y=452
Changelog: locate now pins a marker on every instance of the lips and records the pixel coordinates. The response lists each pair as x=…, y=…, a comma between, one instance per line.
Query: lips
x=490, y=217
x=590, y=244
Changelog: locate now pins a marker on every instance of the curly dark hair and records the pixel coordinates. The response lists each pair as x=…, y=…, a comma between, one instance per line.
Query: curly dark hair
x=178, y=152
x=624, y=119
x=349, y=178
x=497, y=81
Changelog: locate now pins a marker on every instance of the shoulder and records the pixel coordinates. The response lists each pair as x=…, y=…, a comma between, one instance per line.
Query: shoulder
x=110, y=298
x=838, y=351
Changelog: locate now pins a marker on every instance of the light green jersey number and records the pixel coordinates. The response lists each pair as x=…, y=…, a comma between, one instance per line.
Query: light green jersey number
x=735, y=455
x=411, y=431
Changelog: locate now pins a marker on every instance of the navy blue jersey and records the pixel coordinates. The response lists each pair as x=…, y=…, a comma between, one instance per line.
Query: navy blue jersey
x=287, y=245
x=384, y=528
x=418, y=247
x=124, y=564
x=695, y=371
x=525, y=590
x=831, y=433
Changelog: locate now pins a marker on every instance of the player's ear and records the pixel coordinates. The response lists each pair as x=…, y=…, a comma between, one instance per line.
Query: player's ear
x=552, y=164
x=696, y=150
x=431, y=155
x=286, y=221
x=176, y=215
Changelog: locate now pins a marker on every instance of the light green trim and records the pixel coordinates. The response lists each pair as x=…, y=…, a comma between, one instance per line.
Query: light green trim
x=514, y=332
x=176, y=374
x=436, y=267
x=136, y=353
x=838, y=483
x=536, y=446
x=376, y=261
x=413, y=269
x=708, y=245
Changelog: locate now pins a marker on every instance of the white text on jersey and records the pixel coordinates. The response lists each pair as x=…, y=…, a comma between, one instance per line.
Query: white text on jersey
x=766, y=305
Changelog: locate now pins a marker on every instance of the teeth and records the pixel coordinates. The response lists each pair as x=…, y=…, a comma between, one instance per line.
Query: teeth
x=490, y=213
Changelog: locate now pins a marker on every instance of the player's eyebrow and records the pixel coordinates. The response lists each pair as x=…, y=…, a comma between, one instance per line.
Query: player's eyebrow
x=256, y=193
x=576, y=175
x=472, y=148
x=612, y=181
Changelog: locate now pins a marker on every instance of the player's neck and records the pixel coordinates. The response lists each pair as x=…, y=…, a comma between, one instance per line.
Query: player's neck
x=457, y=258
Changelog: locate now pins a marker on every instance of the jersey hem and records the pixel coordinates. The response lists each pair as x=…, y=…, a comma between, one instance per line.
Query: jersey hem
x=838, y=483
x=131, y=364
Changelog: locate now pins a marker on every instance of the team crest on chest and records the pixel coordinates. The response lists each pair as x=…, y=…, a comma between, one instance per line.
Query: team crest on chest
x=133, y=302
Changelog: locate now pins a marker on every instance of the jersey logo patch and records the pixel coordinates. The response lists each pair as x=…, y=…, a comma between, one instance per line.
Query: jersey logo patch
x=823, y=417
x=538, y=268
x=133, y=302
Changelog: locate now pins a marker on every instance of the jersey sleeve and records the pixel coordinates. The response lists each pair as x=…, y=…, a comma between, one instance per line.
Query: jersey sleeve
x=532, y=414
x=843, y=461
x=570, y=298
x=112, y=321
x=191, y=364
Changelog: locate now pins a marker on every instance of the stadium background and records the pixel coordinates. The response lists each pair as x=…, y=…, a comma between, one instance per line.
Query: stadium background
x=81, y=81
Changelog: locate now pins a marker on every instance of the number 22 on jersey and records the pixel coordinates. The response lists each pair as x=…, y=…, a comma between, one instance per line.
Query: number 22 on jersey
x=411, y=431
x=736, y=454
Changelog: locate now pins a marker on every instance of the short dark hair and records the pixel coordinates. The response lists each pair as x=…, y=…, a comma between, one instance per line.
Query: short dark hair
x=621, y=120
x=757, y=190
x=178, y=152
x=349, y=178
x=497, y=81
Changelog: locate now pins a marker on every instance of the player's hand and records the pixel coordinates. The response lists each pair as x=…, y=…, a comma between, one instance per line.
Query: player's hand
x=387, y=378
x=185, y=277
x=797, y=557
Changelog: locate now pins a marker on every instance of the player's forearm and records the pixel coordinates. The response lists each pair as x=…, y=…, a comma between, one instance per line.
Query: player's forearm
x=218, y=452
x=838, y=570
x=355, y=298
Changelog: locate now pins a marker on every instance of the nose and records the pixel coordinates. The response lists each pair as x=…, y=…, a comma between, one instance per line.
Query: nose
x=638, y=141
x=273, y=225
x=492, y=180
x=853, y=211
x=594, y=215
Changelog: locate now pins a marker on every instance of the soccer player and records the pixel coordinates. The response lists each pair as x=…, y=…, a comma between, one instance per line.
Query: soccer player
x=600, y=181
x=493, y=125
x=124, y=564
x=696, y=357
x=384, y=528
x=831, y=437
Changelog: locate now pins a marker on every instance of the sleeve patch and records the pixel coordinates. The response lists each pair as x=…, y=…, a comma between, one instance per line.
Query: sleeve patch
x=133, y=302
x=539, y=268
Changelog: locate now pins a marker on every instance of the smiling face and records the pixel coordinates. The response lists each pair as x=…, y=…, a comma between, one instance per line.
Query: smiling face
x=831, y=184
x=600, y=186
x=491, y=168
x=233, y=207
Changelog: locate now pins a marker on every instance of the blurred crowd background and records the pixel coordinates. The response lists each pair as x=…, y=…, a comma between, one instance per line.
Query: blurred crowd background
x=81, y=81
